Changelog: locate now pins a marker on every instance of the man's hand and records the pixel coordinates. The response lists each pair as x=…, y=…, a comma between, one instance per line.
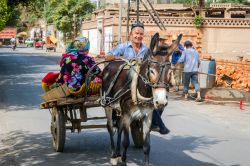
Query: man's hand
x=111, y=57
x=178, y=50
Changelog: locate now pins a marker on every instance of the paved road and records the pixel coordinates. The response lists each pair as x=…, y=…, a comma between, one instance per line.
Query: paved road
x=201, y=134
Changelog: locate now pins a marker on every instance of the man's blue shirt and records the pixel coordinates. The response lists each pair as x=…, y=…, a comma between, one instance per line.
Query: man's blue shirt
x=191, y=59
x=176, y=55
x=127, y=50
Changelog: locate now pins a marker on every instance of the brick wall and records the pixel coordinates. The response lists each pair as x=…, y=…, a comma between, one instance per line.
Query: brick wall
x=238, y=73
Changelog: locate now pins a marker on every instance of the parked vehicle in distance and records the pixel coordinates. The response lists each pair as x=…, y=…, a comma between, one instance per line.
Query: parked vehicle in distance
x=29, y=42
x=50, y=43
x=38, y=44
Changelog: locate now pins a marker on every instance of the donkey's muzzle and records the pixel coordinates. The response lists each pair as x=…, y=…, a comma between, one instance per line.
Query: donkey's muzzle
x=160, y=98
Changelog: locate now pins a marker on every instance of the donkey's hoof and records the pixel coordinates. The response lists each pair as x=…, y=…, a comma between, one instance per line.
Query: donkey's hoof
x=116, y=161
x=123, y=164
x=113, y=161
x=119, y=159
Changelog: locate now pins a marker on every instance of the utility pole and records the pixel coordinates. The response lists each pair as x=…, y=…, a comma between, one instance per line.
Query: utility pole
x=74, y=25
x=137, y=11
x=120, y=22
x=128, y=18
x=45, y=9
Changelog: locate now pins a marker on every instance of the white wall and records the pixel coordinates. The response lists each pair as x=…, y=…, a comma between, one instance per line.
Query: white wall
x=226, y=42
x=95, y=39
x=108, y=31
x=92, y=35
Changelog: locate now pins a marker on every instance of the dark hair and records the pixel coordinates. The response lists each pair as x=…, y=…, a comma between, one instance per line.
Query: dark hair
x=140, y=25
x=188, y=43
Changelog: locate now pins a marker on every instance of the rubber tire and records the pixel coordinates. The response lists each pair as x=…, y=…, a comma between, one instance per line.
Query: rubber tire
x=137, y=133
x=58, y=122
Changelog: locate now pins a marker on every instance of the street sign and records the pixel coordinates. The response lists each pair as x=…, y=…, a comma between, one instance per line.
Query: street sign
x=8, y=33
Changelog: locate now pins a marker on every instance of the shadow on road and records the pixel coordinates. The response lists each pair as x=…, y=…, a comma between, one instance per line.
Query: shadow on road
x=20, y=80
x=91, y=148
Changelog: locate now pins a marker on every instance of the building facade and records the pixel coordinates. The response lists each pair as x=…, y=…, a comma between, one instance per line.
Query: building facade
x=216, y=36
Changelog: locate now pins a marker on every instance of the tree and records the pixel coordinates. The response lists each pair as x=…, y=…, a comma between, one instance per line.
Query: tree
x=67, y=15
x=4, y=15
x=12, y=10
x=32, y=11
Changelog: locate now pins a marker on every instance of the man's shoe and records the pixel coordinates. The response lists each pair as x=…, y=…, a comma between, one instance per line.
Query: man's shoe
x=164, y=130
x=155, y=128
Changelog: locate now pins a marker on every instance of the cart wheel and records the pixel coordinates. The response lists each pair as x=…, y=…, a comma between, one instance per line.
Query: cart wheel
x=58, y=130
x=137, y=133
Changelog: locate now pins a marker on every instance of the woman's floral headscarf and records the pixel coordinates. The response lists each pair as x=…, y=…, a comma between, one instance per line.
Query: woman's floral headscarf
x=79, y=44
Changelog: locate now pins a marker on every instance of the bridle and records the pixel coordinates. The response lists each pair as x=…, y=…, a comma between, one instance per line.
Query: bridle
x=163, y=67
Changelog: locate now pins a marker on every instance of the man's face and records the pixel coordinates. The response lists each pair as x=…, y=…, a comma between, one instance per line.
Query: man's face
x=162, y=41
x=136, y=35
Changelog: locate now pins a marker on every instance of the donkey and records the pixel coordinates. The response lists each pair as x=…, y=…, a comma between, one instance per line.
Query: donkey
x=151, y=91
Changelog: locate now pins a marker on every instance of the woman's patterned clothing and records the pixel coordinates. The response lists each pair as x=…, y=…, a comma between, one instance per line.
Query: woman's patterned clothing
x=74, y=67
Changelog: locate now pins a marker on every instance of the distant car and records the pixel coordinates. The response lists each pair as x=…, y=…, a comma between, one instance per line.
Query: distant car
x=38, y=44
x=29, y=42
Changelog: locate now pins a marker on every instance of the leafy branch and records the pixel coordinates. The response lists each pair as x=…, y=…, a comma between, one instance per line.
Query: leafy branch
x=197, y=21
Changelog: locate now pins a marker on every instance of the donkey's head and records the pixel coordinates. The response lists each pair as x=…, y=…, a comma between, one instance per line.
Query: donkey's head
x=159, y=73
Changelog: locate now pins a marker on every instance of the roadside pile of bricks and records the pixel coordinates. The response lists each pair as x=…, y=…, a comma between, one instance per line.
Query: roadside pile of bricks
x=234, y=74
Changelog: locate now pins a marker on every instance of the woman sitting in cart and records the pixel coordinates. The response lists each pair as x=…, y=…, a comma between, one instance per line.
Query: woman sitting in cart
x=75, y=64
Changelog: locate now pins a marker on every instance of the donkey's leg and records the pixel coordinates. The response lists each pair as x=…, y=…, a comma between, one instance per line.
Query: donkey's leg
x=119, y=137
x=146, y=136
x=108, y=112
x=126, y=141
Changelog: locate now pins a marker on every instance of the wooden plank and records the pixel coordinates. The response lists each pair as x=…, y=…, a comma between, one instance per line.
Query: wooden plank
x=88, y=102
x=96, y=118
x=89, y=126
x=91, y=101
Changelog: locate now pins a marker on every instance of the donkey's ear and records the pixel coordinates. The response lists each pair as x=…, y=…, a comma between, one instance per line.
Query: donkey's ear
x=174, y=45
x=154, y=42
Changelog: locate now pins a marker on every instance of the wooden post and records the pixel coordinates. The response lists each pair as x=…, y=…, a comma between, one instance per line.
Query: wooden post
x=128, y=18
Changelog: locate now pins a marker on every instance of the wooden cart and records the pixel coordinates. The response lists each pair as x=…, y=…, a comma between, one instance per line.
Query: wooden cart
x=70, y=113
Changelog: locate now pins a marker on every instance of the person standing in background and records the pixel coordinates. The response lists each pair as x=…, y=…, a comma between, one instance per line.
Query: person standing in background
x=177, y=68
x=191, y=60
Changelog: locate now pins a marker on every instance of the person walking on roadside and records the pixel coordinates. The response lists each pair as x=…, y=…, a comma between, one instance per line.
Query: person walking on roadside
x=136, y=49
x=13, y=40
x=191, y=60
x=177, y=68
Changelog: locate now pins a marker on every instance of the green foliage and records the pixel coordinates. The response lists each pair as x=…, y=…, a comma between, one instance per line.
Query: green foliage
x=184, y=1
x=197, y=21
x=33, y=11
x=12, y=10
x=67, y=14
x=14, y=17
x=244, y=2
x=4, y=14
